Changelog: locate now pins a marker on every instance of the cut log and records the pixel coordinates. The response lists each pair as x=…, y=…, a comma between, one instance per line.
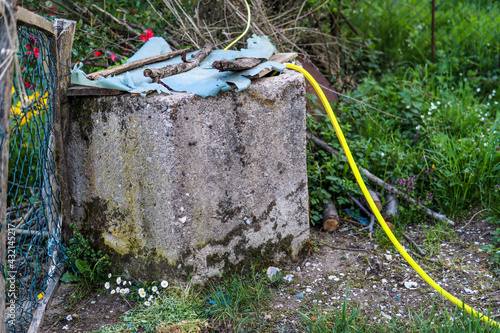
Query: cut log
x=375, y=198
x=330, y=216
x=159, y=73
x=236, y=65
x=391, y=207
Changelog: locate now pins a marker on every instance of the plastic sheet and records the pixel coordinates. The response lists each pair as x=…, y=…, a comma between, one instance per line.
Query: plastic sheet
x=202, y=80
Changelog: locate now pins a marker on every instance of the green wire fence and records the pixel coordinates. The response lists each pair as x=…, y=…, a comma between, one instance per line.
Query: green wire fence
x=32, y=197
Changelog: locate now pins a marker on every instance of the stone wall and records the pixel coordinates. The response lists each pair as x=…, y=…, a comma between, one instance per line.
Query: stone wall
x=178, y=185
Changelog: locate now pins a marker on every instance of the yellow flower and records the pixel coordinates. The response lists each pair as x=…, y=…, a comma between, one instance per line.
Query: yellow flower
x=459, y=140
x=433, y=166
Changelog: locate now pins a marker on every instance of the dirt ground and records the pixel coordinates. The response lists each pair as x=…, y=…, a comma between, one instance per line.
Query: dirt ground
x=381, y=283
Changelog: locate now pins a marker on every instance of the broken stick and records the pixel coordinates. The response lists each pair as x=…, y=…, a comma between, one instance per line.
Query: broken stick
x=133, y=65
x=235, y=65
x=320, y=143
x=159, y=73
x=375, y=198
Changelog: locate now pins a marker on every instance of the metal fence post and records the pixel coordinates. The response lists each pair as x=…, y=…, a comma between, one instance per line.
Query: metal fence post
x=433, y=31
x=8, y=38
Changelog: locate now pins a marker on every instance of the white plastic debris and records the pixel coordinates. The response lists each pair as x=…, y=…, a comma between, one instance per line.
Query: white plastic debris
x=385, y=315
x=411, y=285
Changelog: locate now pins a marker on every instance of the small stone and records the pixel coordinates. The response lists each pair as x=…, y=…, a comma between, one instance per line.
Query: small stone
x=93, y=302
x=288, y=278
x=65, y=327
x=69, y=318
x=183, y=219
x=298, y=269
x=272, y=273
x=267, y=317
x=388, y=257
x=75, y=316
x=308, y=264
x=300, y=295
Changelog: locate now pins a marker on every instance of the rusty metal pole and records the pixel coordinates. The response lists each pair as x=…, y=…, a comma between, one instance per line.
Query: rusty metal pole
x=433, y=31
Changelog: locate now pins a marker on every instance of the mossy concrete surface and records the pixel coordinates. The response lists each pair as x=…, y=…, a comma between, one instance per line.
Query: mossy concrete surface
x=173, y=186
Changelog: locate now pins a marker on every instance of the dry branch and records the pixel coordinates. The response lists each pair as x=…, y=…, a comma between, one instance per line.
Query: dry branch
x=123, y=23
x=330, y=216
x=159, y=73
x=134, y=64
x=235, y=65
x=374, y=179
x=412, y=242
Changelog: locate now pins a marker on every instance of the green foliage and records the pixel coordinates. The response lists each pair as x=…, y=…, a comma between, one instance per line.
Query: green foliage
x=317, y=321
x=84, y=265
x=163, y=311
x=237, y=299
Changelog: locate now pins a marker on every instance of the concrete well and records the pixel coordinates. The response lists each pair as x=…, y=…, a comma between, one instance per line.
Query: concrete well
x=178, y=185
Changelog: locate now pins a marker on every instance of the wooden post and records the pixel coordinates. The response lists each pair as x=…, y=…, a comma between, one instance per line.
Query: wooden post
x=433, y=31
x=8, y=52
x=65, y=31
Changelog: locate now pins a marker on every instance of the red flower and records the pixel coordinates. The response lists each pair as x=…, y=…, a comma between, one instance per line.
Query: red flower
x=97, y=53
x=147, y=36
x=36, y=52
x=132, y=13
x=27, y=47
x=113, y=57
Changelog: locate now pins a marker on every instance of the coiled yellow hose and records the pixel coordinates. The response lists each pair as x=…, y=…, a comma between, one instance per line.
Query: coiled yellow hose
x=379, y=217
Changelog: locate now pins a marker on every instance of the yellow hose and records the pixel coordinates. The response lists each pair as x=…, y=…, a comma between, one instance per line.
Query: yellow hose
x=249, y=17
x=362, y=185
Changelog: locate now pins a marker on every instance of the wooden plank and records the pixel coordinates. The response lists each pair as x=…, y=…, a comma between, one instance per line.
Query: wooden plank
x=54, y=271
x=29, y=19
x=281, y=58
x=8, y=32
x=92, y=91
x=64, y=43
x=133, y=65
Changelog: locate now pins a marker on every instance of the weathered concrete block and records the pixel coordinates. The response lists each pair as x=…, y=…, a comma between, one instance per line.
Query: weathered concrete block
x=172, y=185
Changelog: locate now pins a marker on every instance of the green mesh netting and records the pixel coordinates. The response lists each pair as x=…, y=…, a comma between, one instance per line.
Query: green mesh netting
x=32, y=200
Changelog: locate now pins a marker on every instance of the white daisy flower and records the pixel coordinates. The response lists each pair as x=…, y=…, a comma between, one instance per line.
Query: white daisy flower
x=164, y=284
x=118, y=280
x=117, y=289
x=113, y=291
x=124, y=283
x=107, y=285
x=109, y=276
x=147, y=303
x=154, y=288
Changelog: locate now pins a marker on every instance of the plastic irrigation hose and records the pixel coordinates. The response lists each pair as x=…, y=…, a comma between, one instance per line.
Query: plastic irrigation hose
x=249, y=17
x=362, y=185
